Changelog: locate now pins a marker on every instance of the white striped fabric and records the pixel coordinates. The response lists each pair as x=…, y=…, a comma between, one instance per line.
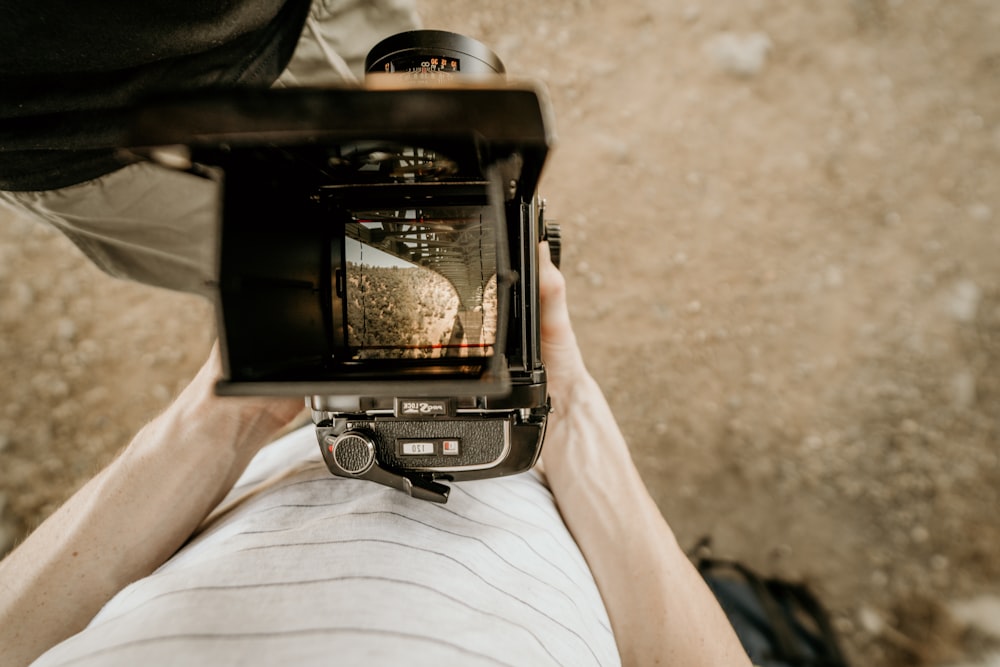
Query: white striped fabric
x=303, y=568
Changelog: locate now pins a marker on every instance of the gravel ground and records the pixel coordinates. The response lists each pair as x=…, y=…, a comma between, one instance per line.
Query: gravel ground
x=781, y=243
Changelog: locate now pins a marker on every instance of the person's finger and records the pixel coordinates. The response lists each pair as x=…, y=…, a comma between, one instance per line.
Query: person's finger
x=559, y=348
x=556, y=327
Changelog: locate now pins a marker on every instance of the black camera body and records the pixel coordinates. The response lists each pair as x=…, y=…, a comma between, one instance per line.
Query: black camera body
x=421, y=427
x=378, y=254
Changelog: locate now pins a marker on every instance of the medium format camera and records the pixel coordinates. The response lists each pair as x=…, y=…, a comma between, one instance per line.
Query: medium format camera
x=378, y=254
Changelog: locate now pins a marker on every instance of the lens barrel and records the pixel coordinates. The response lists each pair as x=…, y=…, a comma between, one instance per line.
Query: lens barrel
x=432, y=53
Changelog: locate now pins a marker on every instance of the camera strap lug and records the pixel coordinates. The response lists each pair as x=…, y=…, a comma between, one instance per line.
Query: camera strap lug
x=422, y=489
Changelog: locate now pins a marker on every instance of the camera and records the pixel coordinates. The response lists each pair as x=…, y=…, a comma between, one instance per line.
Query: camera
x=378, y=255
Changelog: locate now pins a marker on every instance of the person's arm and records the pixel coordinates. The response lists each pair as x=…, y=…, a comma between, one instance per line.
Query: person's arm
x=661, y=611
x=133, y=515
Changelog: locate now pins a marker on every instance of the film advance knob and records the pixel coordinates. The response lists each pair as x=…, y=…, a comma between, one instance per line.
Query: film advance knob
x=553, y=234
x=353, y=452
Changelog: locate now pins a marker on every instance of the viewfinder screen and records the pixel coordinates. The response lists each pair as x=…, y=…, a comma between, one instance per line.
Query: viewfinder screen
x=420, y=283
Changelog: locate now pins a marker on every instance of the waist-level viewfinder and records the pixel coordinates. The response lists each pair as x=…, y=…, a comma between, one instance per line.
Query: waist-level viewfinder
x=378, y=254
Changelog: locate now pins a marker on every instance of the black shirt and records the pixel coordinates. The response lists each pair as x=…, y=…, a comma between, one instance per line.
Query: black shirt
x=64, y=65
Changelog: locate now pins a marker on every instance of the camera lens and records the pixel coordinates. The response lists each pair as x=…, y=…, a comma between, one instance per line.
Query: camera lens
x=432, y=54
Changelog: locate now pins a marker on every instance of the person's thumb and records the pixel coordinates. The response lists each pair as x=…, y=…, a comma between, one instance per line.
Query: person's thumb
x=563, y=361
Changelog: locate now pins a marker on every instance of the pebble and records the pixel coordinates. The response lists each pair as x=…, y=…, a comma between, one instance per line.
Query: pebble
x=834, y=277
x=980, y=212
x=870, y=620
x=66, y=328
x=812, y=442
x=739, y=54
x=963, y=303
x=23, y=293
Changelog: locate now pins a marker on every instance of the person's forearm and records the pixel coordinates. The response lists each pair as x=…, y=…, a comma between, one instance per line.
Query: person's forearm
x=129, y=519
x=661, y=611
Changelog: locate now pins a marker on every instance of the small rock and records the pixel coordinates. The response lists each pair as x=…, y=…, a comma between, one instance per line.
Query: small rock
x=741, y=55
x=23, y=293
x=834, y=276
x=963, y=302
x=870, y=621
x=619, y=150
x=980, y=212
x=66, y=328
x=160, y=393
x=812, y=442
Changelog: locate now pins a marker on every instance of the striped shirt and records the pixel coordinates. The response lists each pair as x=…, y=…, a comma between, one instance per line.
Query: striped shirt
x=298, y=567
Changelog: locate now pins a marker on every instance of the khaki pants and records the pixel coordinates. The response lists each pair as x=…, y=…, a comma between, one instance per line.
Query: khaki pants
x=148, y=223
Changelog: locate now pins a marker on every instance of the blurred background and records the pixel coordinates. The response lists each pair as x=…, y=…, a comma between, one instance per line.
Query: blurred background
x=781, y=243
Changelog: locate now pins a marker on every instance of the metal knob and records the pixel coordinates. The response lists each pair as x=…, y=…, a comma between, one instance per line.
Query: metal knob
x=352, y=451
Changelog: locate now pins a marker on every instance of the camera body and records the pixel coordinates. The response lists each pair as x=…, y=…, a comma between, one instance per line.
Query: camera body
x=423, y=430
x=378, y=255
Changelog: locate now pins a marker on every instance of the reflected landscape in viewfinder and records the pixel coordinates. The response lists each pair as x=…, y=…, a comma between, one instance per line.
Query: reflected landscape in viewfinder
x=420, y=284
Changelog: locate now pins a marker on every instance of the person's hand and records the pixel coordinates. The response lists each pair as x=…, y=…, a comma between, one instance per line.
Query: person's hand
x=126, y=521
x=570, y=386
x=250, y=421
x=661, y=611
x=564, y=365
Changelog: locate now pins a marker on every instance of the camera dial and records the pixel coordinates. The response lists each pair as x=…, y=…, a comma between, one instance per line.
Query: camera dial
x=352, y=451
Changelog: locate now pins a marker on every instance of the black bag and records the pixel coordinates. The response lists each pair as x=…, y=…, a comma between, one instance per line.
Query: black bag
x=780, y=624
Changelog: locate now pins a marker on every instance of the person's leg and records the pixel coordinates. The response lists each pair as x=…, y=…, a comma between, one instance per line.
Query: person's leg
x=338, y=35
x=143, y=222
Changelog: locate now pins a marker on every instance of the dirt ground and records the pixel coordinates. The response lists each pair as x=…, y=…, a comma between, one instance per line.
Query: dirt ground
x=782, y=248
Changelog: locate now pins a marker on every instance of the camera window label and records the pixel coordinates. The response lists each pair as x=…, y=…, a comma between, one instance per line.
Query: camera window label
x=435, y=447
x=417, y=448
